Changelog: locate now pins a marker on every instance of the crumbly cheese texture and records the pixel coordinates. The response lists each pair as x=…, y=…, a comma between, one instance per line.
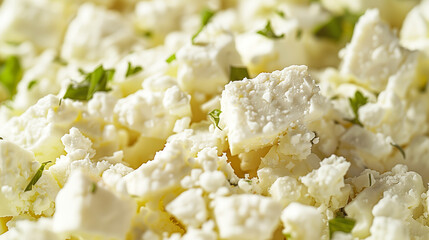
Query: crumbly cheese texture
x=256, y=111
x=216, y=119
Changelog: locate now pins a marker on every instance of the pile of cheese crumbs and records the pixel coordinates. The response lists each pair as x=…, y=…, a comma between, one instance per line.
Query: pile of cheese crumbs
x=214, y=119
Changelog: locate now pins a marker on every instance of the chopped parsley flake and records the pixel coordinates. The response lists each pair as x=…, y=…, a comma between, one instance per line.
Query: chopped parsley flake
x=132, y=70
x=400, y=149
x=338, y=27
x=355, y=103
x=341, y=224
x=214, y=115
x=268, y=32
x=93, y=187
x=36, y=176
x=31, y=84
x=280, y=13
x=10, y=74
x=370, y=179
x=171, y=58
x=238, y=73
x=94, y=82
x=206, y=15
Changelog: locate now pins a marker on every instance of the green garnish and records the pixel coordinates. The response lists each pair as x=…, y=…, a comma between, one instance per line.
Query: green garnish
x=237, y=73
x=299, y=34
x=288, y=236
x=171, y=58
x=338, y=27
x=400, y=149
x=280, y=13
x=206, y=15
x=36, y=177
x=132, y=70
x=60, y=61
x=370, y=179
x=341, y=224
x=268, y=32
x=215, y=117
x=94, y=82
x=31, y=84
x=358, y=101
x=93, y=187
x=10, y=74
x=147, y=34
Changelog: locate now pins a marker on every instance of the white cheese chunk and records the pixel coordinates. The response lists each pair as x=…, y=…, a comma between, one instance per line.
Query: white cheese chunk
x=88, y=209
x=153, y=114
x=256, y=111
x=374, y=53
x=17, y=21
x=246, y=216
x=302, y=221
x=326, y=184
x=189, y=208
x=95, y=34
x=161, y=174
x=17, y=168
x=205, y=67
x=389, y=228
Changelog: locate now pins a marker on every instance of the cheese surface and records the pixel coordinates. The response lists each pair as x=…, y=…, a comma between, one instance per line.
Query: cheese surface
x=214, y=119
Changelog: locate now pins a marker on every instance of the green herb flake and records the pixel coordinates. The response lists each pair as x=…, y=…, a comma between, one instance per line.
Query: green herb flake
x=280, y=13
x=370, y=179
x=132, y=70
x=60, y=61
x=238, y=73
x=10, y=74
x=268, y=32
x=355, y=103
x=1, y=138
x=94, y=82
x=31, y=84
x=341, y=224
x=36, y=176
x=400, y=149
x=171, y=58
x=206, y=15
x=147, y=34
x=93, y=187
x=299, y=34
x=338, y=27
x=214, y=115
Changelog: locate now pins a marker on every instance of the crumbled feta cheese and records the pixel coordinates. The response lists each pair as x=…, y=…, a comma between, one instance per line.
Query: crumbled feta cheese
x=256, y=111
x=302, y=221
x=85, y=208
x=246, y=216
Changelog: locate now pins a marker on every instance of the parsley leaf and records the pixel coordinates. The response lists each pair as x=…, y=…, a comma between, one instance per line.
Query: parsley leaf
x=268, y=32
x=215, y=117
x=36, y=176
x=132, y=70
x=206, y=15
x=358, y=101
x=400, y=149
x=31, y=84
x=370, y=179
x=338, y=27
x=171, y=58
x=93, y=187
x=237, y=73
x=95, y=81
x=10, y=74
x=280, y=13
x=341, y=224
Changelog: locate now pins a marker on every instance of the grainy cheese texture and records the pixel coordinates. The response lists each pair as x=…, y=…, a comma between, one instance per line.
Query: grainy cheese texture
x=214, y=119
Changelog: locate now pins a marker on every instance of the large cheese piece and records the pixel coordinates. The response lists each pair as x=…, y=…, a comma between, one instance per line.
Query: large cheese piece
x=256, y=111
